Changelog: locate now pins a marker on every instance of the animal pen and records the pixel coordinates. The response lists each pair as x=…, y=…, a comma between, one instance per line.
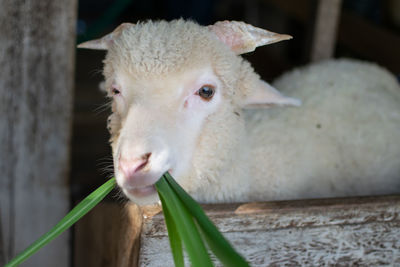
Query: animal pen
x=37, y=96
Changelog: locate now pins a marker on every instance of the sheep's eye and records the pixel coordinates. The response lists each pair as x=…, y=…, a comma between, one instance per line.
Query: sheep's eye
x=115, y=91
x=206, y=92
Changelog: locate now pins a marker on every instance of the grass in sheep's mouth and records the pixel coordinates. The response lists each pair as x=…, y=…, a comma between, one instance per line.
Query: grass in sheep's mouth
x=185, y=219
x=187, y=223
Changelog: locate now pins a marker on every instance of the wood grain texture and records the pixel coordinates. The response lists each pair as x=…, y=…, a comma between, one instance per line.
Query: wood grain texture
x=36, y=80
x=326, y=232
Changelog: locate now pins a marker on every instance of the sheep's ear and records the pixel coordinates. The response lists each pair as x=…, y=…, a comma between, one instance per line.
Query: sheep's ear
x=264, y=95
x=105, y=42
x=242, y=37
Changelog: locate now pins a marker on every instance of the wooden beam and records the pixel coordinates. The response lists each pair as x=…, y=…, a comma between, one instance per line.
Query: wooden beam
x=36, y=81
x=325, y=26
x=320, y=232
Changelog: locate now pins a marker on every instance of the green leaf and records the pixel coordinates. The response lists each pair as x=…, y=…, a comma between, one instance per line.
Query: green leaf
x=174, y=238
x=185, y=226
x=217, y=243
x=73, y=216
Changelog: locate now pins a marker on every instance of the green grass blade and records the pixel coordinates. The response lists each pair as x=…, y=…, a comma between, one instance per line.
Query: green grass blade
x=73, y=216
x=185, y=225
x=174, y=238
x=217, y=243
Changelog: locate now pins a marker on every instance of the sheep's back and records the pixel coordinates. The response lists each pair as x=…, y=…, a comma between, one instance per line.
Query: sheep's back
x=344, y=139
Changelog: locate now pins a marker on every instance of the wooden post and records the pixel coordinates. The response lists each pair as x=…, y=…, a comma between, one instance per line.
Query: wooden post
x=36, y=84
x=324, y=39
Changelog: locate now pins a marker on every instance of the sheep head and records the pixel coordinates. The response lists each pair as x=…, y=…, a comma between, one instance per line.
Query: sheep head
x=177, y=89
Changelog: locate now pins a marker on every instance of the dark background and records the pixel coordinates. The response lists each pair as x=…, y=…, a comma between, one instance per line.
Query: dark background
x=361, y=21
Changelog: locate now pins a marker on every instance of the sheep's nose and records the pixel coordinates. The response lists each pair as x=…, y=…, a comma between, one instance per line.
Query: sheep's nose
x=130, y=167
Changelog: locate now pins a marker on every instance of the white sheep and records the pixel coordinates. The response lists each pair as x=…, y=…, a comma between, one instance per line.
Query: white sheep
x=184, y=101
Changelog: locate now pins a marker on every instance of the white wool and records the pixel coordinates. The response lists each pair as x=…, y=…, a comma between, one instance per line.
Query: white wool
x=342, y=141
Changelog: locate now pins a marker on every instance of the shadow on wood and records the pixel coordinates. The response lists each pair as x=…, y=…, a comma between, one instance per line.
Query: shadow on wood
x=108, y=236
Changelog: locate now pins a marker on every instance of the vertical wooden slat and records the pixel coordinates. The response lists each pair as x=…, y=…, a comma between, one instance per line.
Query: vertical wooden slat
x=324, y=39
x=36, y=80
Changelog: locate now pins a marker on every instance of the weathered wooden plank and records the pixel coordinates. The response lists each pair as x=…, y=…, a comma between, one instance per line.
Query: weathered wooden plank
x=350, y=245
x=326, y=21
x=36, y=81
x=343, y=232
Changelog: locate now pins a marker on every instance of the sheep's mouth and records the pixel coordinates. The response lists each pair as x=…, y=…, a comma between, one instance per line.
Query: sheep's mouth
x=144, y=191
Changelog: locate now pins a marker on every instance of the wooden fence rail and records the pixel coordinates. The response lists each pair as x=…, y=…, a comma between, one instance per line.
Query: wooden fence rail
x=363, y=231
